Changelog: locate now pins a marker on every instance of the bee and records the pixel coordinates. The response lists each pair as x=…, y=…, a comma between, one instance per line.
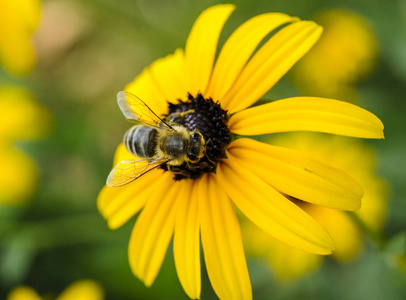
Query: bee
x=155, y=141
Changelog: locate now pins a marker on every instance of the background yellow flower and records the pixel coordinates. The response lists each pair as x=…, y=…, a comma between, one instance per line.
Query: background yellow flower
x=21, y=118
x=84, y=289
x=19, y=176
x=18, y=20
x=346, y=53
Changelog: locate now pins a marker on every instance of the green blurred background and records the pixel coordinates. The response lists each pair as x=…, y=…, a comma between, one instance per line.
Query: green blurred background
x=89, y=50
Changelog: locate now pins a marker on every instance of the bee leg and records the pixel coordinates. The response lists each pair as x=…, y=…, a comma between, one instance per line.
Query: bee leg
x=207, y=164
x=208, y=147
x=175, y=169
x=178, y=170
x=209, y=144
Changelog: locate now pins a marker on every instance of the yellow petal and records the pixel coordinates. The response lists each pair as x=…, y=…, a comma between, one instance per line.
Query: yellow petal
x=123, y=154
x=169, y=75
x=307, y=114
x=222, y=243
x=119, y=204
x=270, y=211
x=270, y=63
x=239, y=48
x=147, y=89
x=152, y=233
x=186, y=241
x=201, y=45
x=297, y=175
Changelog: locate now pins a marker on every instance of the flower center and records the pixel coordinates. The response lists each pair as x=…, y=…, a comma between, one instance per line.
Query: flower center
x=208, y=118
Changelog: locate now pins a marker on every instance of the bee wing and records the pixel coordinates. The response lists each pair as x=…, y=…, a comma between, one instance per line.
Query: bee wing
x=135, y=109
x=128, y=170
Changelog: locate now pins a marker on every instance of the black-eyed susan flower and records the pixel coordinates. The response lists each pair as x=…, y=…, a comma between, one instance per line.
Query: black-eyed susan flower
x=84, y=289
x=21, y=118
x=196, y=203
x=18, y=20
x=346, y=52
x=351, y=156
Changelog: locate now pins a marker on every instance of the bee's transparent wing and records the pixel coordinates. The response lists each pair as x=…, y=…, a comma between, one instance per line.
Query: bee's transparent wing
x=135, y=109
x=128, y=170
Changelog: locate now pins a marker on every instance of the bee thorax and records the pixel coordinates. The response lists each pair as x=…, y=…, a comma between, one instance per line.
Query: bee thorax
x=174, y=146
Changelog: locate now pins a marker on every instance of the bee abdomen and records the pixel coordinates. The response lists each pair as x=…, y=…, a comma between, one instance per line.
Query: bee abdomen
x=141, y=141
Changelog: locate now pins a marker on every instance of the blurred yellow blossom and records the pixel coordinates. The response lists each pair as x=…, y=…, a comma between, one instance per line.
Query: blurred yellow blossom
x=18, y=20
x=18, y=178
x=346, y=52
x=21, y=117
x=23, y=293
x=80, y=290
x=358, y=161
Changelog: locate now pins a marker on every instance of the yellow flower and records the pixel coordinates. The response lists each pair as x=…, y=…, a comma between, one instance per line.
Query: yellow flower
x=23, y=293
x=84, y=289
x=346, y=52
x=358, y=161
x=18, y=20
x=21, y=117
x=252, y=175
x=18, y=178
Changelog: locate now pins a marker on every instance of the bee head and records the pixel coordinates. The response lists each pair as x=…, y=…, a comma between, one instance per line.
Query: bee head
x=196, y=147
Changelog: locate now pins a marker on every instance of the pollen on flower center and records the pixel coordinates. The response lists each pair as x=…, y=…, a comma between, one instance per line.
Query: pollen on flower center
x=211, y=121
